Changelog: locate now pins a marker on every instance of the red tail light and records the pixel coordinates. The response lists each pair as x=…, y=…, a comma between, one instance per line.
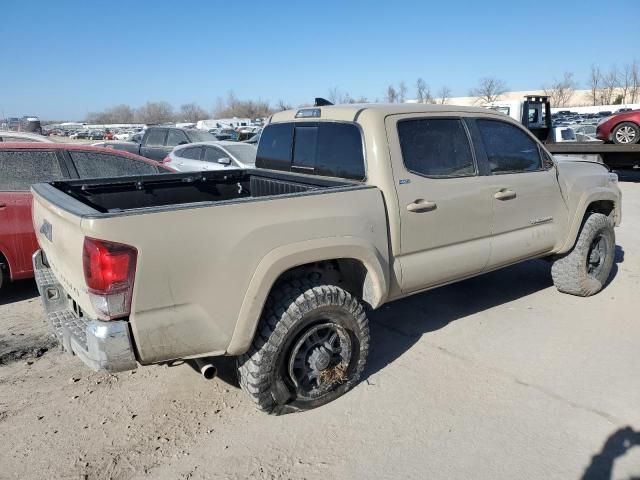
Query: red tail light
x=109, y=271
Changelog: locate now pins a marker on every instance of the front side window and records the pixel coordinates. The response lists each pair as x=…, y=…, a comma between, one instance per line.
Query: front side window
x=176, y=137
x=213, y=154
x=436, y=147
x=95, y=165
x=155, y=138
x=21, y=169
x=508, y=148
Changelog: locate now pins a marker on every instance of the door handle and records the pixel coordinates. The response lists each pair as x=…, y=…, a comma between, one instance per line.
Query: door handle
x=421, y=205
x=3, y=206
x=504, y=194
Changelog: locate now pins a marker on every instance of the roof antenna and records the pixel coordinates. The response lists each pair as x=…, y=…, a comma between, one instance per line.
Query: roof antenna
x=322, y=102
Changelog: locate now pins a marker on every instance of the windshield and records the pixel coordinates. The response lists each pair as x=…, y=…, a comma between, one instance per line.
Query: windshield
x=245, y=153
x=200, y=136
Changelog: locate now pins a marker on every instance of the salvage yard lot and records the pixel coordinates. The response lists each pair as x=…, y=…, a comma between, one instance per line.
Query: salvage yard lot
x=500, y=376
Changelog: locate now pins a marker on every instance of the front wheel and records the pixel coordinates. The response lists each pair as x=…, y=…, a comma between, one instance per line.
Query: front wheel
x=310, y=348
x=585, y=269
x=626, y=133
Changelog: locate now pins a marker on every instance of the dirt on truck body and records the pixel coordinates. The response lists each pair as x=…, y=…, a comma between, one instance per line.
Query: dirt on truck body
x=350, y=207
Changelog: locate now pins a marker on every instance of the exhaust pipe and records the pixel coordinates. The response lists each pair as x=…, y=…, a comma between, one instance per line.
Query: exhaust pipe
x=206, y=368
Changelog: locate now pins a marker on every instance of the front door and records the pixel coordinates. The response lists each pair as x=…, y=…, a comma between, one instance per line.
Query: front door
x=445, y=205
x=528, y=208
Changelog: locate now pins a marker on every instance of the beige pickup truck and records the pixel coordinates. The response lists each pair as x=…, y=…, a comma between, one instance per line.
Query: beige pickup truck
x=350, y=207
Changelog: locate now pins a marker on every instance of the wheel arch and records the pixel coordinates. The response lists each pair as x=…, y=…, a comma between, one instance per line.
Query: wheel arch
x=363, y=269
x=600, y=201
x=6, y=262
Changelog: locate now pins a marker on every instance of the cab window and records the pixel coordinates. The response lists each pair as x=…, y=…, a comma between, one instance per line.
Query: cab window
x=436, y=147
x=509, y=149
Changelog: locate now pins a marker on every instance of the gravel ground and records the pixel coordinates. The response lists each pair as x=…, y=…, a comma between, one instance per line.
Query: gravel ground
x=496, y=377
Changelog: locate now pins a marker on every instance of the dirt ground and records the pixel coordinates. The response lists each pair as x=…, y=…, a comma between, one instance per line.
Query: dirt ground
x=496, y=377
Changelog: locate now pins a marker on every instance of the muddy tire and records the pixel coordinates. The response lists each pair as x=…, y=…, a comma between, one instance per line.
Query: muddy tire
x=310, y=347
x=586, y=268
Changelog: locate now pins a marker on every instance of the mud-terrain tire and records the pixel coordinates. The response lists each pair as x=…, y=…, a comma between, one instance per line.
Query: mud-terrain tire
x=308, y=334
x=585, y=269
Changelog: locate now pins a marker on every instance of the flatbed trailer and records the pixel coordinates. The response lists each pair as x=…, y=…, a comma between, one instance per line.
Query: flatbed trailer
x=614, y=156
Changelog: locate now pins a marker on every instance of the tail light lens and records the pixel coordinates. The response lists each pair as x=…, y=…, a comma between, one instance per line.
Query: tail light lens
x=109, y=271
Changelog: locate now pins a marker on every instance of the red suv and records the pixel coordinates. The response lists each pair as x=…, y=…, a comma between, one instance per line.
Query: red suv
x=622, y=128
x=23, y=164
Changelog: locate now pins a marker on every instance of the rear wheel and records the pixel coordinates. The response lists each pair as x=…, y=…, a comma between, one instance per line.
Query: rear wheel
x=310, y=348
x=626, y=133
x=585, y=269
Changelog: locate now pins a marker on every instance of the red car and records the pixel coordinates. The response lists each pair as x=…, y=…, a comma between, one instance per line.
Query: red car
x=622, y=128
x=23, y=164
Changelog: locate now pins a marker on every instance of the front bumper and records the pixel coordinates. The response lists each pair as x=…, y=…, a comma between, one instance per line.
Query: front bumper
x=101, y=345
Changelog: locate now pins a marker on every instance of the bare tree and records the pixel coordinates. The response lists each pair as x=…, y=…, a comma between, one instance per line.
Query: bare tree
x=423, y=92
x=489, y=89
x=282, y=105
x=595, y=84
x=338, y=96
x=117, y=114
x=634, y=89
x=392, y=94
x=443, y=95
x=625, y=80
x=561, y=91
x=155, y=112
x=192, y=112
x=609, y=85
x=233, y=107
x=402, y=92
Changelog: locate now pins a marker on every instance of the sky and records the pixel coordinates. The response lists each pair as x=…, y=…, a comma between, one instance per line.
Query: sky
x=61, y=60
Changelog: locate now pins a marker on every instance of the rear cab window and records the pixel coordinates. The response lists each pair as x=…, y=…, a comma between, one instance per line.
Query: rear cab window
x=330, y=149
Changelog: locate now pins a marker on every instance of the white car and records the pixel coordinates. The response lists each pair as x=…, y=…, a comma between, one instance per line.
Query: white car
x=122, y=136
x=23, y=137
x=211, y=156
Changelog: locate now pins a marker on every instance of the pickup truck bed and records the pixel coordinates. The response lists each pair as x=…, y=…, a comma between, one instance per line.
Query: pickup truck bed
x=133, y=193
x=184, y=227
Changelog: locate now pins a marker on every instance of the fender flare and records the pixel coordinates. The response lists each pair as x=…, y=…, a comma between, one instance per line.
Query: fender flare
x=594, y=195
x=286, y=257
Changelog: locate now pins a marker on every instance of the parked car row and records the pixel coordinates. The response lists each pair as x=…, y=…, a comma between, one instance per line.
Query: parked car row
x=25, y=163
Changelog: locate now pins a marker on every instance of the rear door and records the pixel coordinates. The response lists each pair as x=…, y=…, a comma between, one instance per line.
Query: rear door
x=154, y=145
x=19, y=169
x=528, y=207
x=188, y=159
x=445, y=204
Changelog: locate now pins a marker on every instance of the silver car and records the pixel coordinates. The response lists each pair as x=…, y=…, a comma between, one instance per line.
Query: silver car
x=211, y=156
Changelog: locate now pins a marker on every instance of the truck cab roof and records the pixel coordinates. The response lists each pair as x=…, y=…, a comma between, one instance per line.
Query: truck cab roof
x=351, y=112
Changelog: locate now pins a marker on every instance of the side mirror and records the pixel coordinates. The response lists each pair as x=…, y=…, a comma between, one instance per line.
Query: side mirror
x=224, y=161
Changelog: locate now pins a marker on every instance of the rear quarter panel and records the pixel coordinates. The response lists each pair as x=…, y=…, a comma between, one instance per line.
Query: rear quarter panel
x=195, y=265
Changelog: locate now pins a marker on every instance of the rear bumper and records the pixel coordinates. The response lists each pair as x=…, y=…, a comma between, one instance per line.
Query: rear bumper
x=100, y=345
